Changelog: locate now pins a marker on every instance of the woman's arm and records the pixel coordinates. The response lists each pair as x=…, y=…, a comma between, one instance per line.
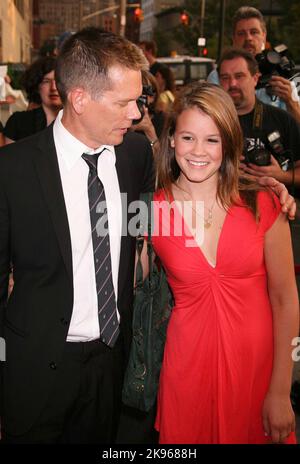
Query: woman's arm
x=278, y=416
x=144, y=261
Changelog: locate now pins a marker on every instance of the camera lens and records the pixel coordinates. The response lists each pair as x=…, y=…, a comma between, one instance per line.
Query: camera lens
x=261, y=157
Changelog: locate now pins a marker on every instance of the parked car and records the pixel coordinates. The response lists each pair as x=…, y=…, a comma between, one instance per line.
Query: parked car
x=188, y=68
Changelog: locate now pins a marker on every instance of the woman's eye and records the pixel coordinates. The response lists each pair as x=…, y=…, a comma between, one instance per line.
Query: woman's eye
x=213, y=140
x=187, y=137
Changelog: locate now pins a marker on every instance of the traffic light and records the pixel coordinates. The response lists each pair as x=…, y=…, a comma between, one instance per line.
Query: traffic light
x=184, y=18
x=204, y=51
x=138, y=15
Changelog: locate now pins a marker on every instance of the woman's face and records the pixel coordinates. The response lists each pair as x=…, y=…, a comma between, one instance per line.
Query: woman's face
x=198, y=146
x=48, y=92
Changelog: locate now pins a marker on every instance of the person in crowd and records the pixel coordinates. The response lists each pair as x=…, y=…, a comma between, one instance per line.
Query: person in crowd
x=61, y=39
x=226, y=372
x=250, y=33
x=149, y=48
x=152, y=122
x=261, y=123
x=11, y=97
x=67, y=322
x=167, y=88
x=44, y=101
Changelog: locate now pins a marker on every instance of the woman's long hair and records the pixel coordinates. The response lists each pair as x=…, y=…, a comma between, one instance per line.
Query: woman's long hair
x=217, y=104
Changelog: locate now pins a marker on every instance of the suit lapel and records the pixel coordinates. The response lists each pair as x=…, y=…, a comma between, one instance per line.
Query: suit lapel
x=48, y=172
x=126, y=195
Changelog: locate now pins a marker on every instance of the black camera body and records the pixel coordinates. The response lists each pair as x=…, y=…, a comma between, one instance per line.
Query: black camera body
x=142, y=101
x=261, y=155
x=256, y=153
x=275, y=62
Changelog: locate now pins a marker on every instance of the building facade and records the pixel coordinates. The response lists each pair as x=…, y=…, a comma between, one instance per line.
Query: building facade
x=15, y=31
x=151, y=8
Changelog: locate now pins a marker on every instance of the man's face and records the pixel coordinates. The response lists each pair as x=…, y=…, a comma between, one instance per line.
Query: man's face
x=48, y=92
x=249, y=35
x=106, y=120
x=236, y=79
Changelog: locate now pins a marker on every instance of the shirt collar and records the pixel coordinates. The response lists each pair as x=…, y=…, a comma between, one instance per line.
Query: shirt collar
x=70, y=148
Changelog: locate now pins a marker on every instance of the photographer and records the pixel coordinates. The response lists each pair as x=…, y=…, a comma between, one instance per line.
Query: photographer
x=152, y=121
x=272, y=136
x=249, y=33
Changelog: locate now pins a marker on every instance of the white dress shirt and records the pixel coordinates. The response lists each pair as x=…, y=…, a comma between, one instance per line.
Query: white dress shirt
x=74, y=172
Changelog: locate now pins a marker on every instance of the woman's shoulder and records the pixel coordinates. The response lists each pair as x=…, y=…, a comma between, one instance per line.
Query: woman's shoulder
x=267, y=199
x=269, y=207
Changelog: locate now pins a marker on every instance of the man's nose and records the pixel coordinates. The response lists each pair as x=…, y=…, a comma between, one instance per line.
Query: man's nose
x=134, y=112
x=232, y=81
x=248, y=35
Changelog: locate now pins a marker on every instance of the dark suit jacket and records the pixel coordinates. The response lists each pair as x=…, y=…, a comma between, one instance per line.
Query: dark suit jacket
x=34, y=235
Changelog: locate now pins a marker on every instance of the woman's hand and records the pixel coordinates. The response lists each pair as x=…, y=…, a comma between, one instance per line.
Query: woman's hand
x=287, y=201
x=278, y=417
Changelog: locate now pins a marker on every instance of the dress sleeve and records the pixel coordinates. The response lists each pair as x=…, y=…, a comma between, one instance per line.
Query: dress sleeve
x=269, y=209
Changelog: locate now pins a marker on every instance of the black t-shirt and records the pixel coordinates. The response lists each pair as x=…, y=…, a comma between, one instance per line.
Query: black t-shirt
x=274, y=119
x=22, y=124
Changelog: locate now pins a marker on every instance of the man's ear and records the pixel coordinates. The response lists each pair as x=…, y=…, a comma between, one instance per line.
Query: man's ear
x=79, y=98
x=256, y=77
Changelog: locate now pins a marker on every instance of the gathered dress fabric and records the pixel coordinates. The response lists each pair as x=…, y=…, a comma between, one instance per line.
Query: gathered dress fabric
x=219, y=350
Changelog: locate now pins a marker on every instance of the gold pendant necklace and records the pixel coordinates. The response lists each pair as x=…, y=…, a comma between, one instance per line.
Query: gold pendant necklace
x=207, y=221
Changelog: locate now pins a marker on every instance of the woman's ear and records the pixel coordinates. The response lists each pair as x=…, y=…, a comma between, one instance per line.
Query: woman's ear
x=171, y=140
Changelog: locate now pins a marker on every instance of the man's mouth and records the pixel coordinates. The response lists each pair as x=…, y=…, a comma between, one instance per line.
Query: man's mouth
x=249, y=47
x=234, y=92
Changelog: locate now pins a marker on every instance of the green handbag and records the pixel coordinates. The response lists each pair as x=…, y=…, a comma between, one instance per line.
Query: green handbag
x=152, y=306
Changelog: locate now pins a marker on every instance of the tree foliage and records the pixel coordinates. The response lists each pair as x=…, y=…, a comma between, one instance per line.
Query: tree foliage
x=288, y=27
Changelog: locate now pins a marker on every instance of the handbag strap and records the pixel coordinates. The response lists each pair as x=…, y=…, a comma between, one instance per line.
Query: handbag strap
x=146, y=198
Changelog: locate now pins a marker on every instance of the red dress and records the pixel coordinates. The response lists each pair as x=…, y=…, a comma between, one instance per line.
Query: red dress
x=219, y=350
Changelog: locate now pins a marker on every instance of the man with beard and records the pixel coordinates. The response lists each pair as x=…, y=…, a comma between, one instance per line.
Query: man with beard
x=250, y=33
x=238, y=74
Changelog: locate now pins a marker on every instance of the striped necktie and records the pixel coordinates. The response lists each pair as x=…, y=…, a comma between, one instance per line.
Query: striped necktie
x=107, y=308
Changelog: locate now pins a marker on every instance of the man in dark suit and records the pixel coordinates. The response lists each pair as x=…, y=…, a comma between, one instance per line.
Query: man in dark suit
x=67, y=323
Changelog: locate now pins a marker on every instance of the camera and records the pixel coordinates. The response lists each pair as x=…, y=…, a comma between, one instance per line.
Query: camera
x=142, y=101
x=256, y=153
x=283, y=157
x=275, y=62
